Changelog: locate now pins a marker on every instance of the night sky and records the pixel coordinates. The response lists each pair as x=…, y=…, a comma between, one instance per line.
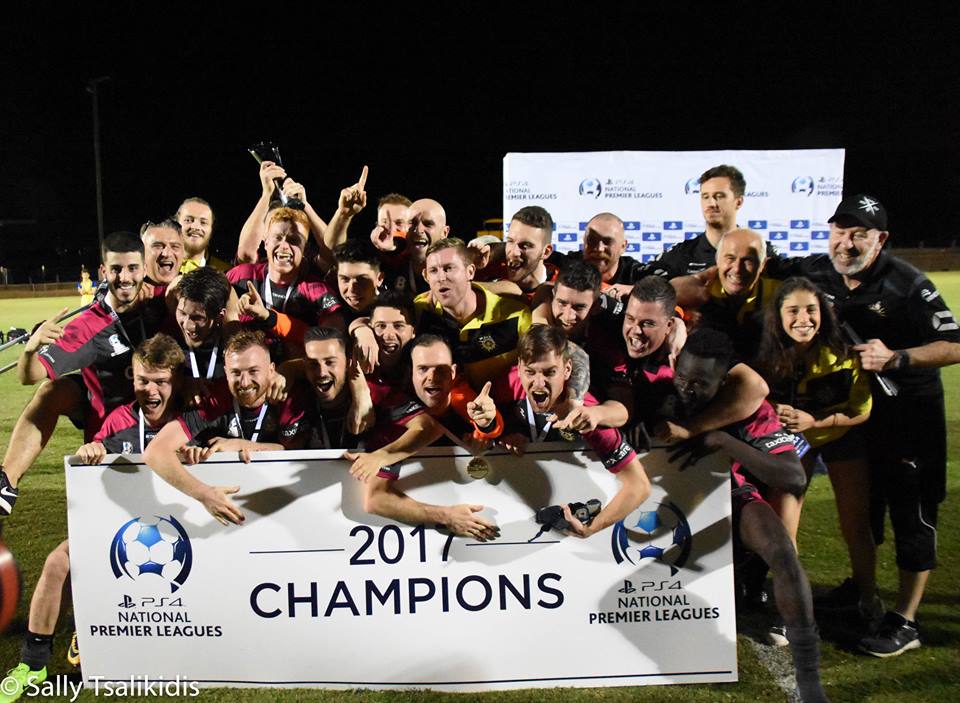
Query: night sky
x=432, y=102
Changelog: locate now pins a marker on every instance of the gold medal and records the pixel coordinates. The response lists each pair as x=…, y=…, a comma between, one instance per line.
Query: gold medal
x=478, y=467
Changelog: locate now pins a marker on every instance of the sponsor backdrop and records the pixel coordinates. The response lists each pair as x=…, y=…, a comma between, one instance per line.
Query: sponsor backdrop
x=311, y=591
x=790, y=194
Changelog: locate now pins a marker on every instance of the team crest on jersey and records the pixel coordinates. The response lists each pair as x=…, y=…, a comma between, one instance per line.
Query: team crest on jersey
x=233, y=429
x=568, y=435
x=117, y=346
x=487, y=343
x=127, y=448
x=877, y=309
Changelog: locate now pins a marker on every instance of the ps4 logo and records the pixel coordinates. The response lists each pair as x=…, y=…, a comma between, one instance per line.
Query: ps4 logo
x=673, y=224
x=819, y=234
x=567, y=236
x=757, y=224
x=799, y=224
x=633, y=246
x=651, y=236
x=775, y=236
x=631, y=225
x=799, y=246
x=691, y=235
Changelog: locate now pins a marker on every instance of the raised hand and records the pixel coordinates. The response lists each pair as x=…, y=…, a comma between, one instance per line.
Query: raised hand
x=47, y=333
x=250, y=303
x=482, y=410
x=268, y=172
x=294, y=191
x=354, y=198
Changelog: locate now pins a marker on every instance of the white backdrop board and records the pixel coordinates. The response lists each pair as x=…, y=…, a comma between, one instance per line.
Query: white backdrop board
x=790, y=194
x=311, y=591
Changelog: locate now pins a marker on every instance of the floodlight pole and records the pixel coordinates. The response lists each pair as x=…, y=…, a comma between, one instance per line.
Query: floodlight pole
x=92, y=88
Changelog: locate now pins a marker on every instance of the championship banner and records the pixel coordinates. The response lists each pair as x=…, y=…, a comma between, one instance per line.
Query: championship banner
x=790, y=194
x=313, y=591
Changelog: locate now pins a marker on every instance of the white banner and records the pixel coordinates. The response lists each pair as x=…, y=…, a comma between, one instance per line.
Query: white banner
x=312, y=591
x=789, y=197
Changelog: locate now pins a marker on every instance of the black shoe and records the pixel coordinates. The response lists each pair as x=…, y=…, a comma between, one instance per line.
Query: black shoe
x=846, y=595
x=8, y=495
x=895, y=636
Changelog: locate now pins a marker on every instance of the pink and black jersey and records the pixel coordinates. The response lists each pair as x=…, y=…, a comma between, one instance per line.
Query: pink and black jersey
x=309, y=299
x=100, y=343
x=222, y=417
x=608, y=443
x=120, y=433
x=328, y=426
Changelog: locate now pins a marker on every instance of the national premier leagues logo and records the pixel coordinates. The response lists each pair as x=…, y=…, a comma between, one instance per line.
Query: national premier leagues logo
x=591, y=187
x=803, y=185
x=156, y=554
x=662, y=534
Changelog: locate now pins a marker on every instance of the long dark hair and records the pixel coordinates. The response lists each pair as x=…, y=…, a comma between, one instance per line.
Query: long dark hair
x=779, y=354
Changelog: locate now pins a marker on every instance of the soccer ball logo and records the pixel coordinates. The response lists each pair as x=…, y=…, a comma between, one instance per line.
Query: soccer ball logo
x=802, y=185
x=591, y=187
x=155, y=555
x=692, y=186
x=662, y=534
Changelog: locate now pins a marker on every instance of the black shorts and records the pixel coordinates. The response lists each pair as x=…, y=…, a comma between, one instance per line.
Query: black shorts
x=851, y=445
x=907, y=446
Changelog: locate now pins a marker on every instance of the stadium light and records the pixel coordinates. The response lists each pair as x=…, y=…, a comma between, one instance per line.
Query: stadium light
x=92, y=88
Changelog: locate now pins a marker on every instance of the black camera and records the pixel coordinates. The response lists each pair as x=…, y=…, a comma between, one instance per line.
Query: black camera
x=551, y=517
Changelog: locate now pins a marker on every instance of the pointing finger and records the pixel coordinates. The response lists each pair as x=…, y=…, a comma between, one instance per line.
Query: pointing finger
x=363, y=178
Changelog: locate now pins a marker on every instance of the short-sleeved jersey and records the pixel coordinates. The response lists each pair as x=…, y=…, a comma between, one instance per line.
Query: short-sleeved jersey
x=826, y=385
x=120, y=432
x=100, y=343
x=693, y=256
x=281, y=424
x=608, y=443
x=895, y=303
x=762, y=431
x=309, y=299
x=486, y=346
x=328, y=425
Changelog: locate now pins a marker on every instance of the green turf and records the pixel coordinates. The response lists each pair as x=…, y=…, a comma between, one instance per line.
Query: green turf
x=928, y=674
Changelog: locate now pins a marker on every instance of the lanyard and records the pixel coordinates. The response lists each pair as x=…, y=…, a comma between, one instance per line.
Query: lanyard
x=532, y=421
x=210, y=367
x=268, y=292
x=140, y=410
x=256, y=430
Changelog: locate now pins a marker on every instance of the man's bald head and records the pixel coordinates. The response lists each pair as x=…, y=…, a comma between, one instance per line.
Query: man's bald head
x=428, y=224
x=741, y=256
x=604, y=242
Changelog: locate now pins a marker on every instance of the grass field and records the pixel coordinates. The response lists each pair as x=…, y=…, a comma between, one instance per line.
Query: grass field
x=931, y=673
